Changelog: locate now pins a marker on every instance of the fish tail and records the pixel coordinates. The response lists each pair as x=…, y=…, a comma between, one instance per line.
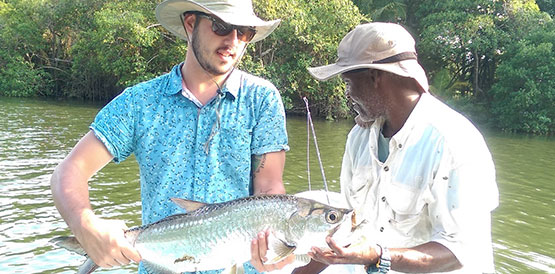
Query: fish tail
x=70, y=243
x=87, y=267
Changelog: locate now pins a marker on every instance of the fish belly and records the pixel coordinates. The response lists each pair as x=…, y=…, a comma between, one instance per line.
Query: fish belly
x=208, y=240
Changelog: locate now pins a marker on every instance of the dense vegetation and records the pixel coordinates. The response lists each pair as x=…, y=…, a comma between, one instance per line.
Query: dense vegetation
x=492, y=59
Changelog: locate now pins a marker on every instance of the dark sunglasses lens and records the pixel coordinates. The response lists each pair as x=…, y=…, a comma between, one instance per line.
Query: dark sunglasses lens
x=221, y=28
x=244, y=34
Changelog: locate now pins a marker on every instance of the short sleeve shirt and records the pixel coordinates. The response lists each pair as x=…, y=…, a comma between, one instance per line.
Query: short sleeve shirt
x=437, y=184
x=186, y=151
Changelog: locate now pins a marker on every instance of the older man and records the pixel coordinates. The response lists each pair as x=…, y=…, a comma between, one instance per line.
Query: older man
x=205, y=131
x=418, y=172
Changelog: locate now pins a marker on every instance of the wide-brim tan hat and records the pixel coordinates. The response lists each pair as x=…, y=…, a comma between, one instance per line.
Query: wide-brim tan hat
x=235, y=12
x=384, y=46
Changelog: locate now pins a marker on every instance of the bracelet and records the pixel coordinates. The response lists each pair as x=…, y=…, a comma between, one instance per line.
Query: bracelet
x=384, y=262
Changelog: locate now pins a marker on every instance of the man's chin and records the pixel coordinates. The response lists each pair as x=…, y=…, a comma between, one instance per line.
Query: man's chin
x=363, y=121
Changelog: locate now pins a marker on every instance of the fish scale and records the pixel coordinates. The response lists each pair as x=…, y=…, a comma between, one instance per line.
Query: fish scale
x=215, y=236
x=226, y=224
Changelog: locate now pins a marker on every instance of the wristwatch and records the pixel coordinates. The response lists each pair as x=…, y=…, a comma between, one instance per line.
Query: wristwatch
x=383, y=265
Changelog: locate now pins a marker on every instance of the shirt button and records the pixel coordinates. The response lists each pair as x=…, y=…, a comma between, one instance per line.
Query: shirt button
x=383, y=199
x=386, y=168
x=400, y=145
x=381, y=229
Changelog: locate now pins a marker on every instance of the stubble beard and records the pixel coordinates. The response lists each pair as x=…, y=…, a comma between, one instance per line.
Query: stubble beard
x=203, y=61
x=371, y=110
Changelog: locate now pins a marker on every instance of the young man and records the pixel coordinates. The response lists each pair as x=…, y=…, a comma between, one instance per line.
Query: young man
x=205, y=131
x=418, y=172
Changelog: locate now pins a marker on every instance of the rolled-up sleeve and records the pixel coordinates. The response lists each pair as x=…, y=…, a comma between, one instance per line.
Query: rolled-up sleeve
x=114, y=126
x=269, y=133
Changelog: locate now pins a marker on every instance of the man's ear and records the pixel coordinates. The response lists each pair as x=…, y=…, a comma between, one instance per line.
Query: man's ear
x=189, y=23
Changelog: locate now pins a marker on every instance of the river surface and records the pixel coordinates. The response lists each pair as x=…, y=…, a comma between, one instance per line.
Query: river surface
x=35, y=135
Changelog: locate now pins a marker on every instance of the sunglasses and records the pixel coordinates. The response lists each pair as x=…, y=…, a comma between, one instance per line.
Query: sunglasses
x=221, y=28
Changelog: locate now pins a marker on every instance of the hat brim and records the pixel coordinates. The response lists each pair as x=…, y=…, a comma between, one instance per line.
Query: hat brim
x=169, y=14
x=405, y=68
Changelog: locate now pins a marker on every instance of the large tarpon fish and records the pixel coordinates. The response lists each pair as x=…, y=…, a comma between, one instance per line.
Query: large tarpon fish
x=216, y=236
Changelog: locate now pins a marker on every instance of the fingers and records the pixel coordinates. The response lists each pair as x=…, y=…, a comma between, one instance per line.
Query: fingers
x=256, y=259
x=259, y=249
x=263, y=245
x=334, y=247
x=105, y=243
x=336, y=254
x=130, y=253
x=279, y=265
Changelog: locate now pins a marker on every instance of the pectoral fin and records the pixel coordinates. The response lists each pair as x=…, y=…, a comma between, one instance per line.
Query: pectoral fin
x=302, y=259
x=234, y=269
x=187, y=204
x=278, y=249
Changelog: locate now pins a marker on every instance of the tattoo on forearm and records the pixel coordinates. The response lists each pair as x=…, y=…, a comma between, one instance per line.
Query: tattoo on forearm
x=258, y=162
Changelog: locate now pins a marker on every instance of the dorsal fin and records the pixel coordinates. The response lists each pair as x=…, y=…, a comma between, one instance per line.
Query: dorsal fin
x=187, y=204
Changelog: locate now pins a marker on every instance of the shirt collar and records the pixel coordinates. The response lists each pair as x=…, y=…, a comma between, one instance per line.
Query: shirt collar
x=417, y=115
x=231, y=86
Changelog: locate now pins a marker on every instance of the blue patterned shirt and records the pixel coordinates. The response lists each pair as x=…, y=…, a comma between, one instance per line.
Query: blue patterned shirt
x=171, y=138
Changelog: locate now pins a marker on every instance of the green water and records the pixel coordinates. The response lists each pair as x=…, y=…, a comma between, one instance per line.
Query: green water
x=36, y=135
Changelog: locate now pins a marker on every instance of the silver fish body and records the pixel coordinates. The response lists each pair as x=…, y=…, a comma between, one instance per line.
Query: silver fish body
x=216, y=236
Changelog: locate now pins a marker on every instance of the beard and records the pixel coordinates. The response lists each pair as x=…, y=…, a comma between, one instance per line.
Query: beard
x=202, y=59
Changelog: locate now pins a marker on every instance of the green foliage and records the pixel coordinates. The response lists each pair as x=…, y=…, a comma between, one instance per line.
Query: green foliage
x=466, y=45
x=492, y=60
x=19, y=79
x=307, y=36
x=19, y=48
x=384, y=10
x=123, y=47
x=524, y=95
x=547, y=6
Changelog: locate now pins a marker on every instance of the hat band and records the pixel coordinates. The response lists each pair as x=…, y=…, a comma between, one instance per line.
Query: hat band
x=396, y=58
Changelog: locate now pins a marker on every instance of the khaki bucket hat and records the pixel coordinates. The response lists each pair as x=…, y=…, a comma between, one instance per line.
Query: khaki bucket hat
x=384, y=46
x=235, y=12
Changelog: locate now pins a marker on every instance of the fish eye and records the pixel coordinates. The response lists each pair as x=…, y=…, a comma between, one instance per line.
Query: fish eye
x=332, y=216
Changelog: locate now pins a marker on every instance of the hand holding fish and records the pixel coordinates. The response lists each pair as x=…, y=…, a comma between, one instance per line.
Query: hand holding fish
x=259, y=248
x=361, y=253
x=104, y=242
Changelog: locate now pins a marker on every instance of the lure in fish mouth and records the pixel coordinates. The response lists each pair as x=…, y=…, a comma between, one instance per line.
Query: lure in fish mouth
x=216, y=236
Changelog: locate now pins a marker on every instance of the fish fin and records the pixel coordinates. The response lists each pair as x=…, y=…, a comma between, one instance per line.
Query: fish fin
x=70, y=243
x=240, y=269
x=153, y=268
x=302, y=259
x=279, y=249
x=234, y=269
x=87, y=267
x=187, y=204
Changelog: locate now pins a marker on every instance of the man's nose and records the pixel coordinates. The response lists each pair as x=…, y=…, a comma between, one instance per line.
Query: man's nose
x=233, y=36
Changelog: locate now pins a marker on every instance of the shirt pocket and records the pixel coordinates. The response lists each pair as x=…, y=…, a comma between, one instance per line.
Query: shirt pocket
x=361, y=180
x=407, y=207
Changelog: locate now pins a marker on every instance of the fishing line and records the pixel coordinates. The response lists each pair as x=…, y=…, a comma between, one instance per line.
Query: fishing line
x=307, y=143
x=309, y=122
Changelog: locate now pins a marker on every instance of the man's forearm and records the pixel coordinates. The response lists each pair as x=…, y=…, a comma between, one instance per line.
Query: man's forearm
x=311, y=268
x=428, y=257
x=71, y=195
x=267, y=172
